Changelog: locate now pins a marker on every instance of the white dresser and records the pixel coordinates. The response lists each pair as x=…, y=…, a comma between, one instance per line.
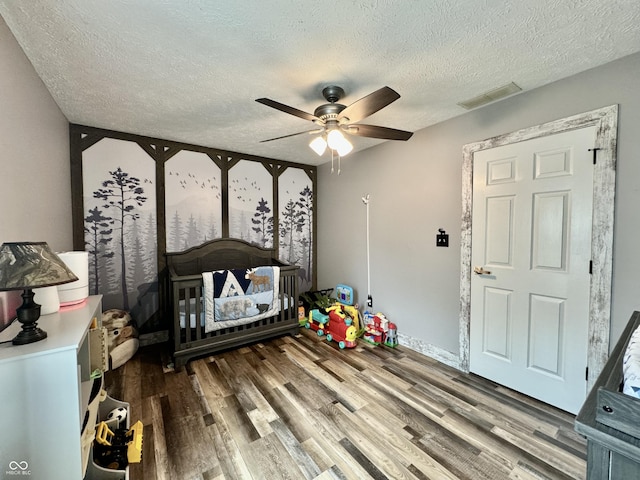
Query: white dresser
x=45, y=389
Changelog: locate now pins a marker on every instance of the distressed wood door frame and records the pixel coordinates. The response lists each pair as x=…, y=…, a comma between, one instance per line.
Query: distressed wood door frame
x=606, y=120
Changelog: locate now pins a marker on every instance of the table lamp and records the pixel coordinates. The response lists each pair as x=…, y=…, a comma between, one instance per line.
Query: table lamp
x=25, y=266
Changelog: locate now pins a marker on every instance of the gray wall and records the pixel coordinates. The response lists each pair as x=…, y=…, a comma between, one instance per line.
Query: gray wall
x=415, y=189
x=34, y=141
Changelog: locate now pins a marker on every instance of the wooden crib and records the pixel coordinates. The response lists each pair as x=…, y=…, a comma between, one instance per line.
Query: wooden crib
x=188, y=335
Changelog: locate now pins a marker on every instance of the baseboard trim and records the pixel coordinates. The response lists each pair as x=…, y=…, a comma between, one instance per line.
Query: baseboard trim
x=432, y=351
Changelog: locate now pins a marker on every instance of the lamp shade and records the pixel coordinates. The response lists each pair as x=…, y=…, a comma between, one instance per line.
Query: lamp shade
x=318, y=145
x=344, y=148
x=31, y=265
x=335, y=139
x=339, y=143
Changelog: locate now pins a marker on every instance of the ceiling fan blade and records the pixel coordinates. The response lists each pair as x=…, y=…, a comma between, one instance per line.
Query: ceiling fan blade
x=315, y=130
x=370, y=104
x=287, y=109
x=374, y=131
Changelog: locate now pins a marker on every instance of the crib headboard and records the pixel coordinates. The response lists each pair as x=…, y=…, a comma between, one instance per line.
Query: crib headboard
x=220, y=254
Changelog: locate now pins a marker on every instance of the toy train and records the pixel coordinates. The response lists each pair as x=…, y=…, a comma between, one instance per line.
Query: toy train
x=341, y=329
x=336, y=325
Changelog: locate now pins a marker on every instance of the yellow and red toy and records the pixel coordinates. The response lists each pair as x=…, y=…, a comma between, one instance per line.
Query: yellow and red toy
x=340, y=322
x=341, y=329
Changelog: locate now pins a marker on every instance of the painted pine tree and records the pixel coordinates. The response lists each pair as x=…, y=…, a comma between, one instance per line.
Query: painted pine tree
x=122, y=193
x=305, y=219
x=97, y=233
x=176, y=233
x=287, y=229
x=263, y=222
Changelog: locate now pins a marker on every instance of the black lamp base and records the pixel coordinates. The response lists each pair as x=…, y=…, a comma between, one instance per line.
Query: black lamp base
x=28, y=315
x=24, y=337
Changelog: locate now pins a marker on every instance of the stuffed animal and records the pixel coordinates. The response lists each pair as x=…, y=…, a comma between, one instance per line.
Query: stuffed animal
x=122, y=337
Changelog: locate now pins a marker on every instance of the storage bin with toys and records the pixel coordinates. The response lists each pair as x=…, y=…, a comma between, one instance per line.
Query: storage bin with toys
x=117, y=444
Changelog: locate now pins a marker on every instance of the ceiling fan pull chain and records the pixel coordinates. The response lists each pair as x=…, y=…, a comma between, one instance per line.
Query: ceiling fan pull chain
x=331, y=161
x=339, y=158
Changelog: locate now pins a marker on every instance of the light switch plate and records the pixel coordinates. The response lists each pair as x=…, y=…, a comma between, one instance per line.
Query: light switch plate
x=442, y=240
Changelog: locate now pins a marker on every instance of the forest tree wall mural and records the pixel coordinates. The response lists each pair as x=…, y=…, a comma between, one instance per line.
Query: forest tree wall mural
x=120, y=225
x=296, y=222
x=193, y=200
x=251, y=203
x=136, y=198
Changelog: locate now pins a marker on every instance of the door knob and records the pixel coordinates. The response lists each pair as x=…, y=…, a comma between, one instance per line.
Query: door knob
x=481, y=271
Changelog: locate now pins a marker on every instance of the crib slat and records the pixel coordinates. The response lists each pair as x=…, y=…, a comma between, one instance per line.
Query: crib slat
x=198, y=322
x=187, y=315
x=177, y=331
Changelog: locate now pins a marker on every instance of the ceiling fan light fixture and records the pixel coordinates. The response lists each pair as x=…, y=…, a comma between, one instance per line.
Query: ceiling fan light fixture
x=344, y=148
x=335, y=139
x=337, y=142
x=318, y=145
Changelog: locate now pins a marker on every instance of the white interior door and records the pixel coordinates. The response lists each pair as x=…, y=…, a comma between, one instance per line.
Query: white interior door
x=531, y=247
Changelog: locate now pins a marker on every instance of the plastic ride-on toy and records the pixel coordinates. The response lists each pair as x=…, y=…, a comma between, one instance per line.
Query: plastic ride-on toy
x=317, y=321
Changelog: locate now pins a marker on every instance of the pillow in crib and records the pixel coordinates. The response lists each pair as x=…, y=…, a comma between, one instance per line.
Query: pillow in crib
x=631, y=366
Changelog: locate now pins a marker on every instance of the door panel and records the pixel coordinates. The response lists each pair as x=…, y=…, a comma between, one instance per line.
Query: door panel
x=497, y=327
x=550, y=228
x=554, y=163
x=501, y=171
x=546, y=327
x=499, y=239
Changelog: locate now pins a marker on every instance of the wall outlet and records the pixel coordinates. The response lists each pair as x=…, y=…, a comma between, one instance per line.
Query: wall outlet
x=442, y=240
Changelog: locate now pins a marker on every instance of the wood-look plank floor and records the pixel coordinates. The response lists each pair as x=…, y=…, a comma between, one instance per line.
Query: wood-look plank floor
x=298, y=407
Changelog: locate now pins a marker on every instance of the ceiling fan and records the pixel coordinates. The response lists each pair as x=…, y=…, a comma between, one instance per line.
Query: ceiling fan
x=333, y=119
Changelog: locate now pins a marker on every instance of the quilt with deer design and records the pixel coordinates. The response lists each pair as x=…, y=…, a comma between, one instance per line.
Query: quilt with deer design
x=240, y=296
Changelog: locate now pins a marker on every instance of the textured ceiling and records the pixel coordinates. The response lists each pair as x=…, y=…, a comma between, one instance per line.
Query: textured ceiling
x=190, y=70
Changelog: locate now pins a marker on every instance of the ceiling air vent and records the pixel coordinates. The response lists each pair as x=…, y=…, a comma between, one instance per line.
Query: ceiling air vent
x=491, y=96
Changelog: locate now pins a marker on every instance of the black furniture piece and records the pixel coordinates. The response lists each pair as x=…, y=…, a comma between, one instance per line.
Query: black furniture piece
x=189, y=338
x=610, y=420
